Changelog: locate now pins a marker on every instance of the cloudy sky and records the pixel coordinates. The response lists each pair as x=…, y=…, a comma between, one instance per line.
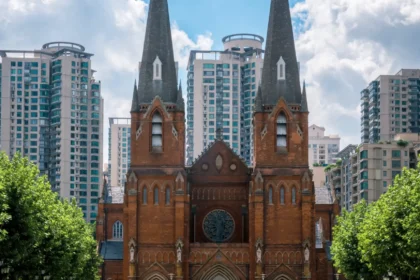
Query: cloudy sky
x=341, y=44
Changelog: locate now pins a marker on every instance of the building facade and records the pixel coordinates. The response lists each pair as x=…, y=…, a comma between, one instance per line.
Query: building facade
x=390, y=105
x=52, y=112
x=119, y=150
x=366, y=171
x=218, y=218
x=222, y=86
x=322, y=148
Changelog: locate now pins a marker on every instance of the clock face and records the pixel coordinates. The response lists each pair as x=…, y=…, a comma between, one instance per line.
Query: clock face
x=218, y=225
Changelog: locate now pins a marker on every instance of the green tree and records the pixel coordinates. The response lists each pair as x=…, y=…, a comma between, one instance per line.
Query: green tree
x=389, y=239
x=42, y=232
x=346, y=255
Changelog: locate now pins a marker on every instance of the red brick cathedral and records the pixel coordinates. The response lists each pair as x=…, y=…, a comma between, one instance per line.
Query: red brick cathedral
x=218, y=219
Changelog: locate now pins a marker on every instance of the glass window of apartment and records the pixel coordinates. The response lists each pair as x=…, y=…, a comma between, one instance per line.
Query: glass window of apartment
x=396, y=154
x=395, y=173
x=385, y=174
x=208, y=66
x=385, y=184
x=396, y=164
x=384, y=163
x=384, y=153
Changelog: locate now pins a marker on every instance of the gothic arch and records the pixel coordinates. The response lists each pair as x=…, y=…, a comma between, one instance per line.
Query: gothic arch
x=155, y=276
x=282, y=277
x=219, y=270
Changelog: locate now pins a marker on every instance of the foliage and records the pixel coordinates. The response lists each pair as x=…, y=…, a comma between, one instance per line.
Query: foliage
x=43, y=233
x=329, y=167
x=316, y=165
x=402, y=143
x=346, y=254
x=390, y=236
x=339, y=162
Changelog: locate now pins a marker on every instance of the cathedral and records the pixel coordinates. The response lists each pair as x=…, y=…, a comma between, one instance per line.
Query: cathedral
x=218, y=219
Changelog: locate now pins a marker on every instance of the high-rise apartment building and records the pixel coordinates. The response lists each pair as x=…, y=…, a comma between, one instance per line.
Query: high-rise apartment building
x=366, y=171
x=119, y=150
x=222, y=86
x=390, y=105
x=322, y=148
x=52, y=112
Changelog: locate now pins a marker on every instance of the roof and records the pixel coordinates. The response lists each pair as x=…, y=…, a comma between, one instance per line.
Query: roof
x=280, y=44
x=157, y=44
x=112, y=250
x=323, y=195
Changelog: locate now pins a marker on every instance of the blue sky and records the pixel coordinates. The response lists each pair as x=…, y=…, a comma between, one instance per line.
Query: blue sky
x=341, y=44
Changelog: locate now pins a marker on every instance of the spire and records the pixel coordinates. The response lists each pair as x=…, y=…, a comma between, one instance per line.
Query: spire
x=258, y=101
x=180, y=105
x=281, y=72
x=304, y=104
x=135, y=103
x=157, y=70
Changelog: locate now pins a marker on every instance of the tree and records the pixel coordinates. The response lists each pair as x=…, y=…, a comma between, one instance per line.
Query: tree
x=346, y=255
x=43, y=233
x=389, y=239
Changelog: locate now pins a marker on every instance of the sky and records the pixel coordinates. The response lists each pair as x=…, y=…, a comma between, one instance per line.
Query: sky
x=341, y=45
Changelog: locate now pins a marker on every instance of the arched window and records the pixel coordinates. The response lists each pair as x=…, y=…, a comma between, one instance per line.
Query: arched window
x=117, y=230
x=293, y=195
x=282, y=195
x=270, y=195
x=167, y=196
x=281, y=131
x=144, y=195
x=156, y=196
x=157, y=130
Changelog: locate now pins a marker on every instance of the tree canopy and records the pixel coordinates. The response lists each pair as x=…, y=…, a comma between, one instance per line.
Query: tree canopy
x=41, y=233
x=346, y=254
x=390, y=236
x=383, y=237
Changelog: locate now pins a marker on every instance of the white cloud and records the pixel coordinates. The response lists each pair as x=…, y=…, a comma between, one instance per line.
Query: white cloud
x=112, y=30
x=343, y=45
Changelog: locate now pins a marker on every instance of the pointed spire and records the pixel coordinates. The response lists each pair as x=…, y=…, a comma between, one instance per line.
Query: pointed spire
x=180, y=105
x=280, y=44
x=258, y=101
x=304, y=104
x=135, y=103
x=158, y=44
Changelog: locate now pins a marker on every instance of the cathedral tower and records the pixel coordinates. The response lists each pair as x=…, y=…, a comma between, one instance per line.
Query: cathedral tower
x=155, y=190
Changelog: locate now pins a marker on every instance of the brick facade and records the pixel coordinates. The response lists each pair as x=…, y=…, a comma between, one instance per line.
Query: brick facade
x=218, y=219
x=219, y=180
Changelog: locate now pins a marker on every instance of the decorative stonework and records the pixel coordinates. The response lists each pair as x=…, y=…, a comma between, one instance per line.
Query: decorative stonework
x=219, y=162
x=174, y=132
x=139, y=131
x=233, y=167
x=264, y=132
x=132, y=249
x=218, y=225
x=132, y=178
x=205, y=167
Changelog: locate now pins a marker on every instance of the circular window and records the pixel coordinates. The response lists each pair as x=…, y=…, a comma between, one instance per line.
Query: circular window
x=218, y=225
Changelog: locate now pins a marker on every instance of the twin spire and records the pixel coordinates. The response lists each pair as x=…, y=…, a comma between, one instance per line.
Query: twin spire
x=280, y=76
x=157, y=71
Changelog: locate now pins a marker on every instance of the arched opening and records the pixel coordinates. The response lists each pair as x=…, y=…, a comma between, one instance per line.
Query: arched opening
x=270, y=195
x=156, y=196
x=117, y=230
x=293, y=195
x=281, y=131
x=282, y=195
x=157, y=132
x=168, y=196
x=144, y=195
x=219, y=272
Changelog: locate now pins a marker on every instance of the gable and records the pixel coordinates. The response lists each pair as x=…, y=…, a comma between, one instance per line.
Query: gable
x=219, y=159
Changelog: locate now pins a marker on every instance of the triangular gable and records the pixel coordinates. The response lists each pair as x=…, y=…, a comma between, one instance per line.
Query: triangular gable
x=219, y=158
x=282, y=270
x=219, y=263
